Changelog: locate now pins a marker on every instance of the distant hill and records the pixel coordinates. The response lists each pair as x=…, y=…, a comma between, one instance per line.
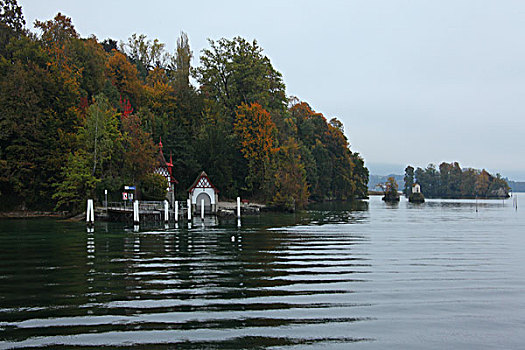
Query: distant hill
x=517, y=186
x=374, y=180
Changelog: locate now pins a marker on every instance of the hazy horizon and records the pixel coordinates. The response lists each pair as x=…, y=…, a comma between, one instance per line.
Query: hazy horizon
x=413, y=82
x=383, y=169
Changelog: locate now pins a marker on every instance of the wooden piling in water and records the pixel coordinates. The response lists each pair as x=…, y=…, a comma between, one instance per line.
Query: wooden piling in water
x=136, y=216
x=239, y=207
x=90, y=213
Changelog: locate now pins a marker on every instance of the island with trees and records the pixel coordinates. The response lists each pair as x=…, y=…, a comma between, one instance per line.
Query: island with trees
x=451, y=181
x=390, y=190
x=80, y=116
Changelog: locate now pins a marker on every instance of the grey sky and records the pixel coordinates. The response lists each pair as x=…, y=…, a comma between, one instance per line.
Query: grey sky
x=413, y=81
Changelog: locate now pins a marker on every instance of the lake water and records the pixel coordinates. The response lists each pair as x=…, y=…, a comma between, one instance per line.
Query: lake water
x=444, y=274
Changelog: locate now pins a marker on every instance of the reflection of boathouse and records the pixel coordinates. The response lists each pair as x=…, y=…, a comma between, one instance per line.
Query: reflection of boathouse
x=203, y=189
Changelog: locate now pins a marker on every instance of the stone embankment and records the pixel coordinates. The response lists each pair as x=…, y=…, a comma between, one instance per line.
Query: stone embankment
x=225, y=209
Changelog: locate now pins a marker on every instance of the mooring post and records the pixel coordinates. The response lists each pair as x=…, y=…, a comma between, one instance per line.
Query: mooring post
x=176, y=211
x=90, y=214
x=136, y=217
x=239, y=207
x=202, y=209
x=189, y=210
x=166, y=212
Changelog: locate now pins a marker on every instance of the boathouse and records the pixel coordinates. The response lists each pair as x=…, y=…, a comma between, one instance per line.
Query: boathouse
x=203, y=189
x=165, y=169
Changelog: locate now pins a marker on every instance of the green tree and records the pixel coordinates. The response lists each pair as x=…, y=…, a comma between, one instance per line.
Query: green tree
x=100, y=136
x=291, y=188
x=154, y=187
x=468, y=183
x=409, y=180
x=235, y=71
x=77, y=185
x=89, y=55
x=38, y=122
x=12, y=24
x=180, y=63
x=360, y=175
x=429, y=180
x=145, y=54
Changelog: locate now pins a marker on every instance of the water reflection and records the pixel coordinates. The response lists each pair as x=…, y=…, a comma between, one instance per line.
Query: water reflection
x=214, y=282
x=336, y=274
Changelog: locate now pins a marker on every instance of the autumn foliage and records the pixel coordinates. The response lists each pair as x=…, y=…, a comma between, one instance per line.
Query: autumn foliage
x=80, y=116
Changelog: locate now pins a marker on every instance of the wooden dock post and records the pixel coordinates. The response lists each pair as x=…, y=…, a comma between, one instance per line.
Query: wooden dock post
x=136, y=217
x=176, y=211
x=238, y=211
x=90, y=213
x=202, y=209
x=189, y=210
x=238, y=207
x=166, y=212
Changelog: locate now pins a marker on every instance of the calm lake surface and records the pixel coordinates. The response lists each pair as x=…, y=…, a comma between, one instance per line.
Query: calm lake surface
x=366, y=276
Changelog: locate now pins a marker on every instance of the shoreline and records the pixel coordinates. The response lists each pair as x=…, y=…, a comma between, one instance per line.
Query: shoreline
x=32, y=214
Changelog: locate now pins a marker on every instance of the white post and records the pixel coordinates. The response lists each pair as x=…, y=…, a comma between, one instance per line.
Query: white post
x=202, y=209
x=90, y=215
x=239, y=207
x=166, y=213
x=189, y=209
x=87, y=212
x=106, y=198
x=176, y=211
x=136, y=217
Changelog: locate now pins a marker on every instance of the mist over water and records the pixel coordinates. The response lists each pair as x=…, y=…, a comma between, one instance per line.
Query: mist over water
x=444, y=274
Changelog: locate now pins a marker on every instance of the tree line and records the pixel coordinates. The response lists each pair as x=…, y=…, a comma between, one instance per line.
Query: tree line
x=450, y=181
x=79, y=116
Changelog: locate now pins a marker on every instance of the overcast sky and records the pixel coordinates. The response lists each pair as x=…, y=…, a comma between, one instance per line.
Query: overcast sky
x=414, y=82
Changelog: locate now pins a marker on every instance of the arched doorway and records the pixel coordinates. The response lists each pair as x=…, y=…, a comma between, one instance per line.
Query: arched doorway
x=207, y=203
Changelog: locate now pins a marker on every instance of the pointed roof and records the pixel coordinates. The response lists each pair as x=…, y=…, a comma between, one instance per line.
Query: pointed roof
x=160, y=157
x=202, y=181
x=163, y=164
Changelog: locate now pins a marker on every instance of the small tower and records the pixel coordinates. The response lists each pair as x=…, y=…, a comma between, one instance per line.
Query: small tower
x=166, y=170
x=416, y=196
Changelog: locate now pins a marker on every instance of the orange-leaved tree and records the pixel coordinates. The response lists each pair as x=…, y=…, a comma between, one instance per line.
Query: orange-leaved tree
x=139, y=149
x=256, y=131
x=124, y=76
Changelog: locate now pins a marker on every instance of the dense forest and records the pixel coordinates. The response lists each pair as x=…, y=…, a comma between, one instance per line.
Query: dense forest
x=79, y=116
x=450, y=181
